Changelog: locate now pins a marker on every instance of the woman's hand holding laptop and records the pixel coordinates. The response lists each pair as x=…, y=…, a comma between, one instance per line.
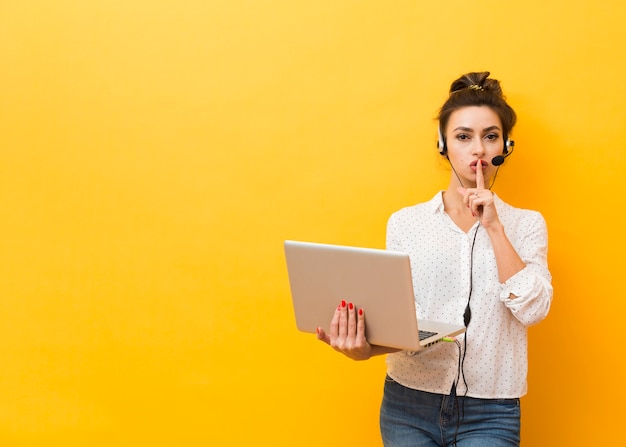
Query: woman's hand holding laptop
x=347, y=334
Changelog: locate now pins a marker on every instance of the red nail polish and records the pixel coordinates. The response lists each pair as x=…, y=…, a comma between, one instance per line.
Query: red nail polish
x=343, y=303
x=360, y=311
x=351, y=306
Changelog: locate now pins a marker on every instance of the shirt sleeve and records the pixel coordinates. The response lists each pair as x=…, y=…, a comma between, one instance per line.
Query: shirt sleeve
x=531, y=286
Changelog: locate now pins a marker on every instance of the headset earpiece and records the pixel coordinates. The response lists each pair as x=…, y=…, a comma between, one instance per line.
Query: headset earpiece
x=441, y=144
x=508, y=146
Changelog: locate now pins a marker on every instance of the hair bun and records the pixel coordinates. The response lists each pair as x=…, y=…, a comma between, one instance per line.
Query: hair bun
x=478, y=81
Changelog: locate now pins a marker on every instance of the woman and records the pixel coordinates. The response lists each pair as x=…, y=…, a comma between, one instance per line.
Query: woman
x=476, y=261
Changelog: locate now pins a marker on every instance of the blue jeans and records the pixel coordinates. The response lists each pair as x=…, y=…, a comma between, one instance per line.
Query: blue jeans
x=418, y=419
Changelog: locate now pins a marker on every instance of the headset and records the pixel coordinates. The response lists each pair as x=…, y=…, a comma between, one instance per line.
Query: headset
x=507, y=149
x=498, y=160
x=509, y=145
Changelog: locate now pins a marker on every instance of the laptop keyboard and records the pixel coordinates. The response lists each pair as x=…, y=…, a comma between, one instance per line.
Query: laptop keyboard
x=426, y=334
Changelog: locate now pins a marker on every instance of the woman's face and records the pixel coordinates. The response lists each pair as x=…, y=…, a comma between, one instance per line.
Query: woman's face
x=474, y=133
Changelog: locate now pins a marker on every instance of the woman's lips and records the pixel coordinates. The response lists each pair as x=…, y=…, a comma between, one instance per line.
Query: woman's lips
x=482, y=162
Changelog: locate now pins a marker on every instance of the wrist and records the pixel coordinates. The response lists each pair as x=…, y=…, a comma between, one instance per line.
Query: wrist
x=494, y=229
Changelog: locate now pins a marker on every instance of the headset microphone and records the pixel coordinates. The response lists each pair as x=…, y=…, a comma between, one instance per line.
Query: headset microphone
x=499, y=159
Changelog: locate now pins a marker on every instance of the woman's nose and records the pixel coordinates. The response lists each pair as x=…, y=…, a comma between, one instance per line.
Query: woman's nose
x=478, y=147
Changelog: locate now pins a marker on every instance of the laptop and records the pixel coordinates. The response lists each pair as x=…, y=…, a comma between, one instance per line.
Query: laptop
x=378, y=281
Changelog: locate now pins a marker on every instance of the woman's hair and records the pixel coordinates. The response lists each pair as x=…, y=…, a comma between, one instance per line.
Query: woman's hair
x=477, y=89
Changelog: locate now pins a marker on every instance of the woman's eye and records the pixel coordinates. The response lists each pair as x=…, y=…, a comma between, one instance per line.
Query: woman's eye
x=463, y=136
x=492, y=136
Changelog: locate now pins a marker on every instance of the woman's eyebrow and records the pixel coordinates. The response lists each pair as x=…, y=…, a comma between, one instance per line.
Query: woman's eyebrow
x=490, y=128
x=464, y=129
x=469, y=129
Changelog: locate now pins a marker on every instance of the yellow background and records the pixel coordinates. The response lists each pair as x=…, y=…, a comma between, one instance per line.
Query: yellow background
x=155, y=154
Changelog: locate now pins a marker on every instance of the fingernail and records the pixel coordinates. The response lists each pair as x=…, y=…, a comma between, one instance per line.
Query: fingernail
x=351, y=306
x=360, y=311
x=343, y=303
